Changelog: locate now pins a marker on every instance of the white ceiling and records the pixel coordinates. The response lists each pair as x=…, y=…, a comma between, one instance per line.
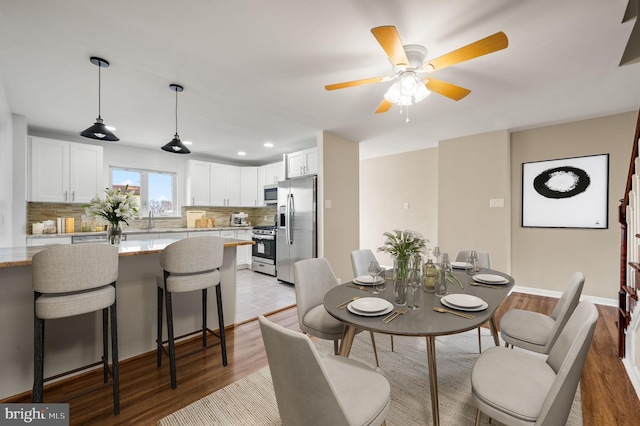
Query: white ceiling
x=254, y=70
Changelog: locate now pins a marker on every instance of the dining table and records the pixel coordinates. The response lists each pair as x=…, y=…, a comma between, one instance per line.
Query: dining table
x=425, y=322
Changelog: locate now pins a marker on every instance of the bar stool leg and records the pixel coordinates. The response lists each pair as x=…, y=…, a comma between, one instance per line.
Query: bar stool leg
x=223, y=341
x=105, y=345
x=159, y=338
x=38, y=360
x=204, y=317
x=115, y=367
x=172, y=348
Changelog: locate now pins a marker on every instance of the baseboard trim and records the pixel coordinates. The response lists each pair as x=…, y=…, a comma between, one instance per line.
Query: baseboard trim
x=556, y=294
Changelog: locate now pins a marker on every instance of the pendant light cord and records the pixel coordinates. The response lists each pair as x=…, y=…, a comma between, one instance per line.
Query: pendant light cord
x=176, y=112
x=99, y=90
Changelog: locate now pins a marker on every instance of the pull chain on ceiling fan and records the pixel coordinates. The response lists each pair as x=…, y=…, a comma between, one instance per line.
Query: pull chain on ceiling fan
x=411, y=83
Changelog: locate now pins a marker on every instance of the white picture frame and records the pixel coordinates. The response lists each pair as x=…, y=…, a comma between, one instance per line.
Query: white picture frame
x=566, y=193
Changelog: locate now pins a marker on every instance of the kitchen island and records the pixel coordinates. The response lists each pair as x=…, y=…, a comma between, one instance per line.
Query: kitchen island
x=76, y=341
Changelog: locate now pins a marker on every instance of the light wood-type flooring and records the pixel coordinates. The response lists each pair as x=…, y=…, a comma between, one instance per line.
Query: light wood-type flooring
x=608, y=397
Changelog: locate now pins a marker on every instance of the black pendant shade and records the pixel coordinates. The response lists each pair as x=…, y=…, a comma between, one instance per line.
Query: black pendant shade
x=176, y=146
x=99, y=130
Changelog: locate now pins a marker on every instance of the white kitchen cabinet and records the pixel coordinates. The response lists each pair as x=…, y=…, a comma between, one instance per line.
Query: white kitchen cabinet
x=249, y=187
x=302, y=163
x=33, y=242
x=198, y=183
x=192, y=234
x=225, y=185
x=62, y=171
x=244, y=252
x=274, y=173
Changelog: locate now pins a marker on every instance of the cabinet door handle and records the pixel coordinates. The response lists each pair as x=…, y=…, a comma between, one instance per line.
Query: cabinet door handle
x=73, y=195
x=193, y=201
x=65, y=195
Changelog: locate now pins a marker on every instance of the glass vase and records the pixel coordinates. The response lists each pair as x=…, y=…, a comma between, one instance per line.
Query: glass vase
x=401, y=273
x=114, y=234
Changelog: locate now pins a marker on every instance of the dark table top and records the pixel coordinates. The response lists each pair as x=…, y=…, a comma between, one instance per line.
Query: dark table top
x=426, y=321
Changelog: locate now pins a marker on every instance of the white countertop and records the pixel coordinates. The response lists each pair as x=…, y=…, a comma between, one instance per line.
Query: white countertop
x=144, y=231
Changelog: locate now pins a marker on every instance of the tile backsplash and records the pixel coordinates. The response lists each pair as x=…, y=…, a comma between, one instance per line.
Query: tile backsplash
x=38, y=212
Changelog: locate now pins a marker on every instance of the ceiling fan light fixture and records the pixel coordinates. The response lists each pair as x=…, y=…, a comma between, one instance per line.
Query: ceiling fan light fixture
x=421, y=93
x=99, y=131
x=409, y=83
x=176, y=146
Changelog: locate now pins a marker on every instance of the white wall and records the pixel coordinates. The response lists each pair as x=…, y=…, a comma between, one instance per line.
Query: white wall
x=390, y=183
x=338, y=184
x=6, y=159
x=19, y=175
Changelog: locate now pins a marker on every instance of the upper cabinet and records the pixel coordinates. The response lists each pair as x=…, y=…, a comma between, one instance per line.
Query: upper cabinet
x=302, y=163
x=249, y=187
x=64, y=172
x=225, y=185
x=273, y=173
x=198, y=183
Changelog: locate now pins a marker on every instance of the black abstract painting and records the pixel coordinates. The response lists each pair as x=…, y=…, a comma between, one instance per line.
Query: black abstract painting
x=566, y=193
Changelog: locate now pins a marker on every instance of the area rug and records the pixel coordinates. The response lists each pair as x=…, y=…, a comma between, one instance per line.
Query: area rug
x=251, y=401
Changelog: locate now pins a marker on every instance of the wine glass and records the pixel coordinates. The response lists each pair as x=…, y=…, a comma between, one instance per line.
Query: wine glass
x=413, y=281
x=374, y=271
x=472, y=262
x=436, y=253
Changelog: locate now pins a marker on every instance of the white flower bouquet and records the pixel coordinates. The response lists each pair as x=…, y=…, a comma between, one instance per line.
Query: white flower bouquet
x=118, y=206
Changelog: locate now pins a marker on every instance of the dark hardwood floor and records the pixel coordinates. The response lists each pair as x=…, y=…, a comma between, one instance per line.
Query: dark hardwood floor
x=608, y=397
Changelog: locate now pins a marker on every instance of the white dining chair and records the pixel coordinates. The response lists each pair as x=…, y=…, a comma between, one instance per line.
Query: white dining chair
x=360, y=260
x=314, y=390
x=312, y=279
x=520, y=388
x=535, y=331
x=484, y=261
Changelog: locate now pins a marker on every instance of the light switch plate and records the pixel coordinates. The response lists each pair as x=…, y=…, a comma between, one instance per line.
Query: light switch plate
x=496, y=202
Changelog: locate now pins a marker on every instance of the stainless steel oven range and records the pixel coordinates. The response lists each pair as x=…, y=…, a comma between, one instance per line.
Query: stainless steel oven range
x=263, y=252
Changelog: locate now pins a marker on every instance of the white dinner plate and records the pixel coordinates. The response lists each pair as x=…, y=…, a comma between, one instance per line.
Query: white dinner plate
x=490, y=279
x=370, y=305
x=462, y=300
x=482, y=307
x=367, y=280
x=385, y=311
x=460, y=265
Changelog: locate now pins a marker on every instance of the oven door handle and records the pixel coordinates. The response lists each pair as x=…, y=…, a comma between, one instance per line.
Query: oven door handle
x=263, y=237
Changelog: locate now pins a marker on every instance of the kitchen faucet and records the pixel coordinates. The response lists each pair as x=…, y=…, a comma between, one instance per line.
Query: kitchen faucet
x=150, y=223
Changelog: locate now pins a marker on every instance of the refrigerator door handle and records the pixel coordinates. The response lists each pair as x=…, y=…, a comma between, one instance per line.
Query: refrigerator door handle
x=290, y=214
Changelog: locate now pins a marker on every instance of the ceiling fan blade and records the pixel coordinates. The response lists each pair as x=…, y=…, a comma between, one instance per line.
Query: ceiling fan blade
x=389, y=39
x=449, y=90
x=384, y=106
x=493, y=43
x=355, y=83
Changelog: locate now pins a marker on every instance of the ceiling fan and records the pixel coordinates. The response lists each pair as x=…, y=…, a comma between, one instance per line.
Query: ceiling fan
x=411, y=82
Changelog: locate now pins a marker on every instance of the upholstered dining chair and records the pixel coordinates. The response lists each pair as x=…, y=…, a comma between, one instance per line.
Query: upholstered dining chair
x=484, y=261
x=538, y=332
x=313, y=278
x=360, y=260
x=520, y=388
x=314, y=390
x=70, y=280
x=190, y=264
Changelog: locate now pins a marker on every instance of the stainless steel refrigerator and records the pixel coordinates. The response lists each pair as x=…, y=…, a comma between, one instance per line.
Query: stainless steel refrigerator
x=296, y=232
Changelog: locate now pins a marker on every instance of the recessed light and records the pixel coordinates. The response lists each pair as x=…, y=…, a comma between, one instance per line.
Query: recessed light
x=268, y=145
x=187, y=142
x=242, y=153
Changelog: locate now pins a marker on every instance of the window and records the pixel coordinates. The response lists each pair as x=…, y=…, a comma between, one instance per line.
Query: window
x=155, y=190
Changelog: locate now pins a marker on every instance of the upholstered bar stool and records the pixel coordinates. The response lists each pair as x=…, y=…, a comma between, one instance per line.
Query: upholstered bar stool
x=71, y=280
x=188, y=265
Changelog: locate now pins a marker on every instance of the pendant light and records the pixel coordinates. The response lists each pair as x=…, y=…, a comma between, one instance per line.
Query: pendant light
x=99, y=130
x=175, y=146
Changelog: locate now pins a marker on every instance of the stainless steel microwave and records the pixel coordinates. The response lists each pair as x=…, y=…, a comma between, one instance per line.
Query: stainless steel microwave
x=271, y=194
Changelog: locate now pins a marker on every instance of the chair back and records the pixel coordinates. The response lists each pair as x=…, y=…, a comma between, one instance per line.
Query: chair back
x=484, y=257
x=70, y=268
x=312, y=278
x=567, y=358
x=565, y=307
x=193, y=255
x=360, y=260
x=303, y=389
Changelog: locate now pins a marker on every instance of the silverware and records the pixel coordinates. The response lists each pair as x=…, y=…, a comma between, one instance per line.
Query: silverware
x=359, y=287
x=443, y=310
x=394, y=315
x=346, y=302
x=481, y=285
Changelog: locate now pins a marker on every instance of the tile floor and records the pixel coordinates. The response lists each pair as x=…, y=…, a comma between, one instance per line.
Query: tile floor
x=258, y=294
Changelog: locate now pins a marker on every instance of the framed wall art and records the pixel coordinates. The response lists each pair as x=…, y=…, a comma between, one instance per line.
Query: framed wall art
x=566, y=193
